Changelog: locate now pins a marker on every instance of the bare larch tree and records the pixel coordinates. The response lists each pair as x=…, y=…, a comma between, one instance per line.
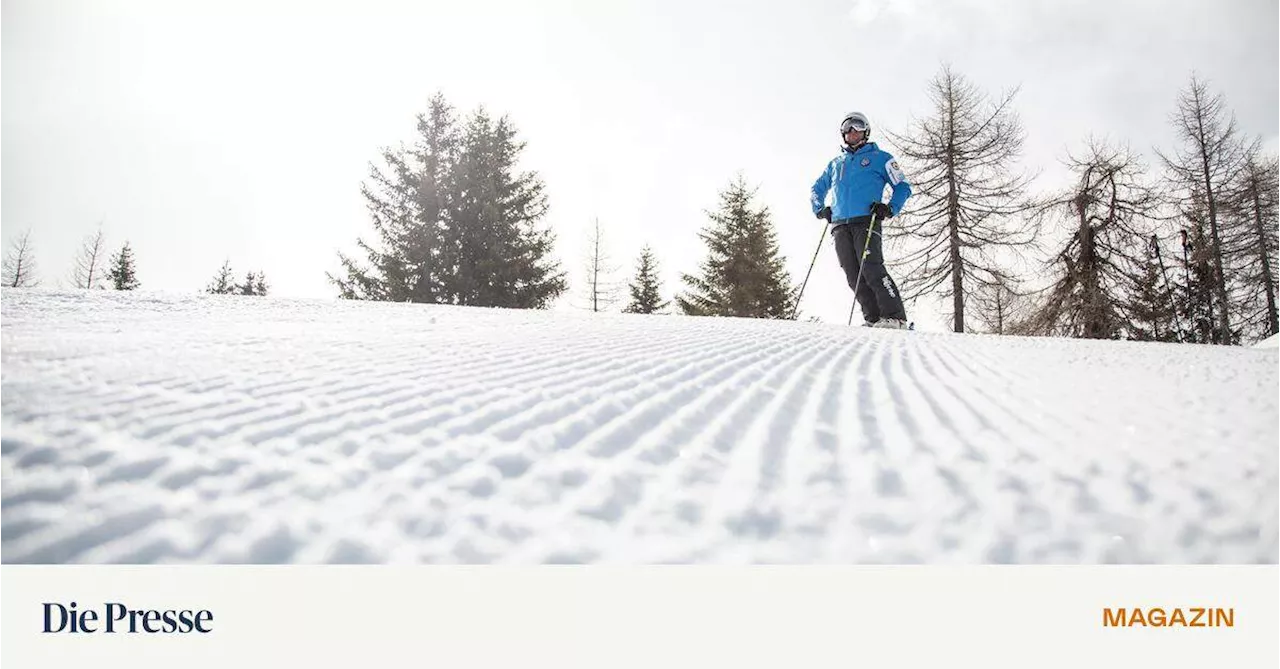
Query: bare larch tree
x=20, y=263
x=90, y=270
x=1200, y=171
x=1250, y=244
x=960, y=219
x=1000, y=306
x=602, y=289
x=1108, y=211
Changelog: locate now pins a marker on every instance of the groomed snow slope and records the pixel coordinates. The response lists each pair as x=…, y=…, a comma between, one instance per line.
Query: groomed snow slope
x=160, y=428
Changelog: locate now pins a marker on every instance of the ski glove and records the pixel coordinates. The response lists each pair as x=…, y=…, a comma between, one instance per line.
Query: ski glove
x=881, y=211
x=825, y=213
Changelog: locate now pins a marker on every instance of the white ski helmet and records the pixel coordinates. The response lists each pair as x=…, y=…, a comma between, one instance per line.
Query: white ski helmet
x=855, y=121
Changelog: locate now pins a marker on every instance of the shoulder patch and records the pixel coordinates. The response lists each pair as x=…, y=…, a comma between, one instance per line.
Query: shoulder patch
x=894, y=171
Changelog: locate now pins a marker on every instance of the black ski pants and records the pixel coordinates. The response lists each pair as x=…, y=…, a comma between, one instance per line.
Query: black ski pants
x=877, y=293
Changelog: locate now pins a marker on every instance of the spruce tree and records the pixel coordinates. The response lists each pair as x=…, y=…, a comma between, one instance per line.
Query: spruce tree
x=223, y=284
x=456, y=223
x=255, y=284
x=495, y=251
x=250, y=285
x=408, y=203
x=743, y=274
x=646, y=289
x=123, y=274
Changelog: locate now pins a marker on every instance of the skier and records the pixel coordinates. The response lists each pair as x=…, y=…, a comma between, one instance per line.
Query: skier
x=857, y=213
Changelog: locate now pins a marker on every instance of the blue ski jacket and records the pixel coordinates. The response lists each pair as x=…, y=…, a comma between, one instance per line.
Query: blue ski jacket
x=857, y=180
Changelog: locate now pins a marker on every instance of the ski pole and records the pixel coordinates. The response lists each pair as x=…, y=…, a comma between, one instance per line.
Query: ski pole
x=796, y=311
x=866, y=246
x=1155, y=242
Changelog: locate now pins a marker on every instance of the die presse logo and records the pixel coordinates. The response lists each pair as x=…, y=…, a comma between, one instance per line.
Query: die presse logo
x=116, y=618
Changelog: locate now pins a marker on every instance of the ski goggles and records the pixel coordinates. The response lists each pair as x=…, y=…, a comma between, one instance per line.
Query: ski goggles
x=853, y=124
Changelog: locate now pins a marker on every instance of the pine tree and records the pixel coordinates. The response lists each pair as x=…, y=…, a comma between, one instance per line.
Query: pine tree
x=223, y=284
x=123, y=274
x=456, y=223
x=743, y=274
x=260, y=283
x=646, y=289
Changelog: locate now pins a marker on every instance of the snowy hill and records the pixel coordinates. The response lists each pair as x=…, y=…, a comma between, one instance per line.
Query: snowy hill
x=147, y=427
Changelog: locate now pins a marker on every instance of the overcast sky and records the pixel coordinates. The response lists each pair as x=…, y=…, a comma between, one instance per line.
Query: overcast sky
x=242, y=129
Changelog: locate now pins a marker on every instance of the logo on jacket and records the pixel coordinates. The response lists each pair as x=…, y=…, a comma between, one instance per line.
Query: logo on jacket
x=895, y=173
x=866, y=161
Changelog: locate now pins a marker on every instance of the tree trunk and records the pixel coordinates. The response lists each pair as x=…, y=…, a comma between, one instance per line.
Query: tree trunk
x=595, y=273
x=953, y=222
x=1000, y=310
x=957, y=273
x=1220, y=282
x=1094, y=328
x=1273, y=323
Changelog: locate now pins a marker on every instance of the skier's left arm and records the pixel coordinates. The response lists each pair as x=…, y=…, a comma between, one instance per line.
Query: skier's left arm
x=901, y=187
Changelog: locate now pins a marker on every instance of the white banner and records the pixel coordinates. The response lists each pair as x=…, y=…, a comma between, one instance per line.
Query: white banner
x=656, y=616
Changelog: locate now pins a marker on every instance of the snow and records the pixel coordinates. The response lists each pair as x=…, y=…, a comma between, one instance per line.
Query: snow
x=148, y=427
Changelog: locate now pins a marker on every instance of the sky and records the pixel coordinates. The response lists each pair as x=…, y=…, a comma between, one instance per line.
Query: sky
x=203, y=132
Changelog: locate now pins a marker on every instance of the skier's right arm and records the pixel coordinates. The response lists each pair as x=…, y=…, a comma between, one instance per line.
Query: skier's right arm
x=818, y=194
